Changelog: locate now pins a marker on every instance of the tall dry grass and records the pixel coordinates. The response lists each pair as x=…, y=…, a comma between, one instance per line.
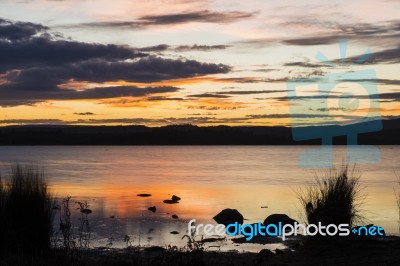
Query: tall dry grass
x=334, y=198
x=26, y=214
x=397, y=194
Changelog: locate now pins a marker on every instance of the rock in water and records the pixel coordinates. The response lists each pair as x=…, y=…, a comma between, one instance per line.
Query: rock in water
x=276, y=218
x=152, y=209
x=174, y=216
x=229, y=216
x=143, y=195
x=168, y=201
x=175, y=198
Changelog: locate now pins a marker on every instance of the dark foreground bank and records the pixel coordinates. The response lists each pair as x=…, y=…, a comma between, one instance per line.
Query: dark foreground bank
x=385, y=251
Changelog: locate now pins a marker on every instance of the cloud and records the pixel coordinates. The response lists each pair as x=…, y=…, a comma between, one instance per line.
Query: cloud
x=19, y=31
x=378, y=81
x=187, y=48
x=208, y=95
x=199, y=16
x=305, y=64
x=392, y=96
x=387, y=56
x=163, y=98
x=14, y=97
x=25, y=49
x=149, y=69
x=280, y=116
x=39, y=67
x=252, y=92
x=314, y=40
x=203, y=16
x=182, y=48
x=155, y=48
x=385, y=34
x=33, y=121
x=228, y=94
x=85, y=113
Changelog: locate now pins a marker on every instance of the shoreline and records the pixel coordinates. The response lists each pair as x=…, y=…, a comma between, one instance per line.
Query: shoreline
x=366, y=251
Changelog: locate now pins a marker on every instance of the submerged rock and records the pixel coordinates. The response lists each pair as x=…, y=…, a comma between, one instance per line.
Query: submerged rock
x=174, y=216
x=168, y=201
x=175, y=198
x=143, y=195
x=228, y=216
x=276, y=218
x=152, y=209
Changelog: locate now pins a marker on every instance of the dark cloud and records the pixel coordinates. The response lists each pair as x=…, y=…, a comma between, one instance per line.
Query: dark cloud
x=183, y=48
x=388, y=56
x=156, y=48
x=26, y=49
x=85, y=113
x=12, y=98
x=279, y=116
x=209, y=95
x=34, y=121
x=199, y=16
x=377, y=81
x=39, y=67
x=19, y=31
x=187, y=48
x=305, y=64
x=386, y=34
x=392, y=96
x=147, y=69
x=203, y=16
x=252, y=92
x=163, y=98
x=43, y=51
x=264, y=70
x=228, y=94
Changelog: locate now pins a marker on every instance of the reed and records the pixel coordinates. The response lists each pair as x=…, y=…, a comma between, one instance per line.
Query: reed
x=26, y=215
x=334, y=198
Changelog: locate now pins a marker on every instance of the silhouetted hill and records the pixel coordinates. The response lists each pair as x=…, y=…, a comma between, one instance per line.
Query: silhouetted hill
x=178, y=135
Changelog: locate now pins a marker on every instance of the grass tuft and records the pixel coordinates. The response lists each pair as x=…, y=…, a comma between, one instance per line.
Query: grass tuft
x=25, y=211
x=397, y=194
x=334, y=198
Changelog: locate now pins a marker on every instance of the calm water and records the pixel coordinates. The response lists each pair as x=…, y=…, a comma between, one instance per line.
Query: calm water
x=207, y=178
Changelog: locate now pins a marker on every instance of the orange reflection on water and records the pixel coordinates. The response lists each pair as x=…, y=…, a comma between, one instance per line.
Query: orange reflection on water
x=122, y=201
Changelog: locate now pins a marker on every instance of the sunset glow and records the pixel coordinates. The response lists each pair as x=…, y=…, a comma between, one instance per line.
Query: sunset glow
x=185, y=62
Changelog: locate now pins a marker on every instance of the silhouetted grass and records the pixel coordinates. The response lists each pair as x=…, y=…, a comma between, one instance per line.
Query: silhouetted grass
x=334, y=198
x=25, y=211
x=397, y=194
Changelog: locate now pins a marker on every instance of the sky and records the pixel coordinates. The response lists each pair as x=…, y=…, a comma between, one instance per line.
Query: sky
x=201, y=62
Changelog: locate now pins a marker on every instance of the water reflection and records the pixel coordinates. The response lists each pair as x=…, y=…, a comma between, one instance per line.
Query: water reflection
x=208, y=179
